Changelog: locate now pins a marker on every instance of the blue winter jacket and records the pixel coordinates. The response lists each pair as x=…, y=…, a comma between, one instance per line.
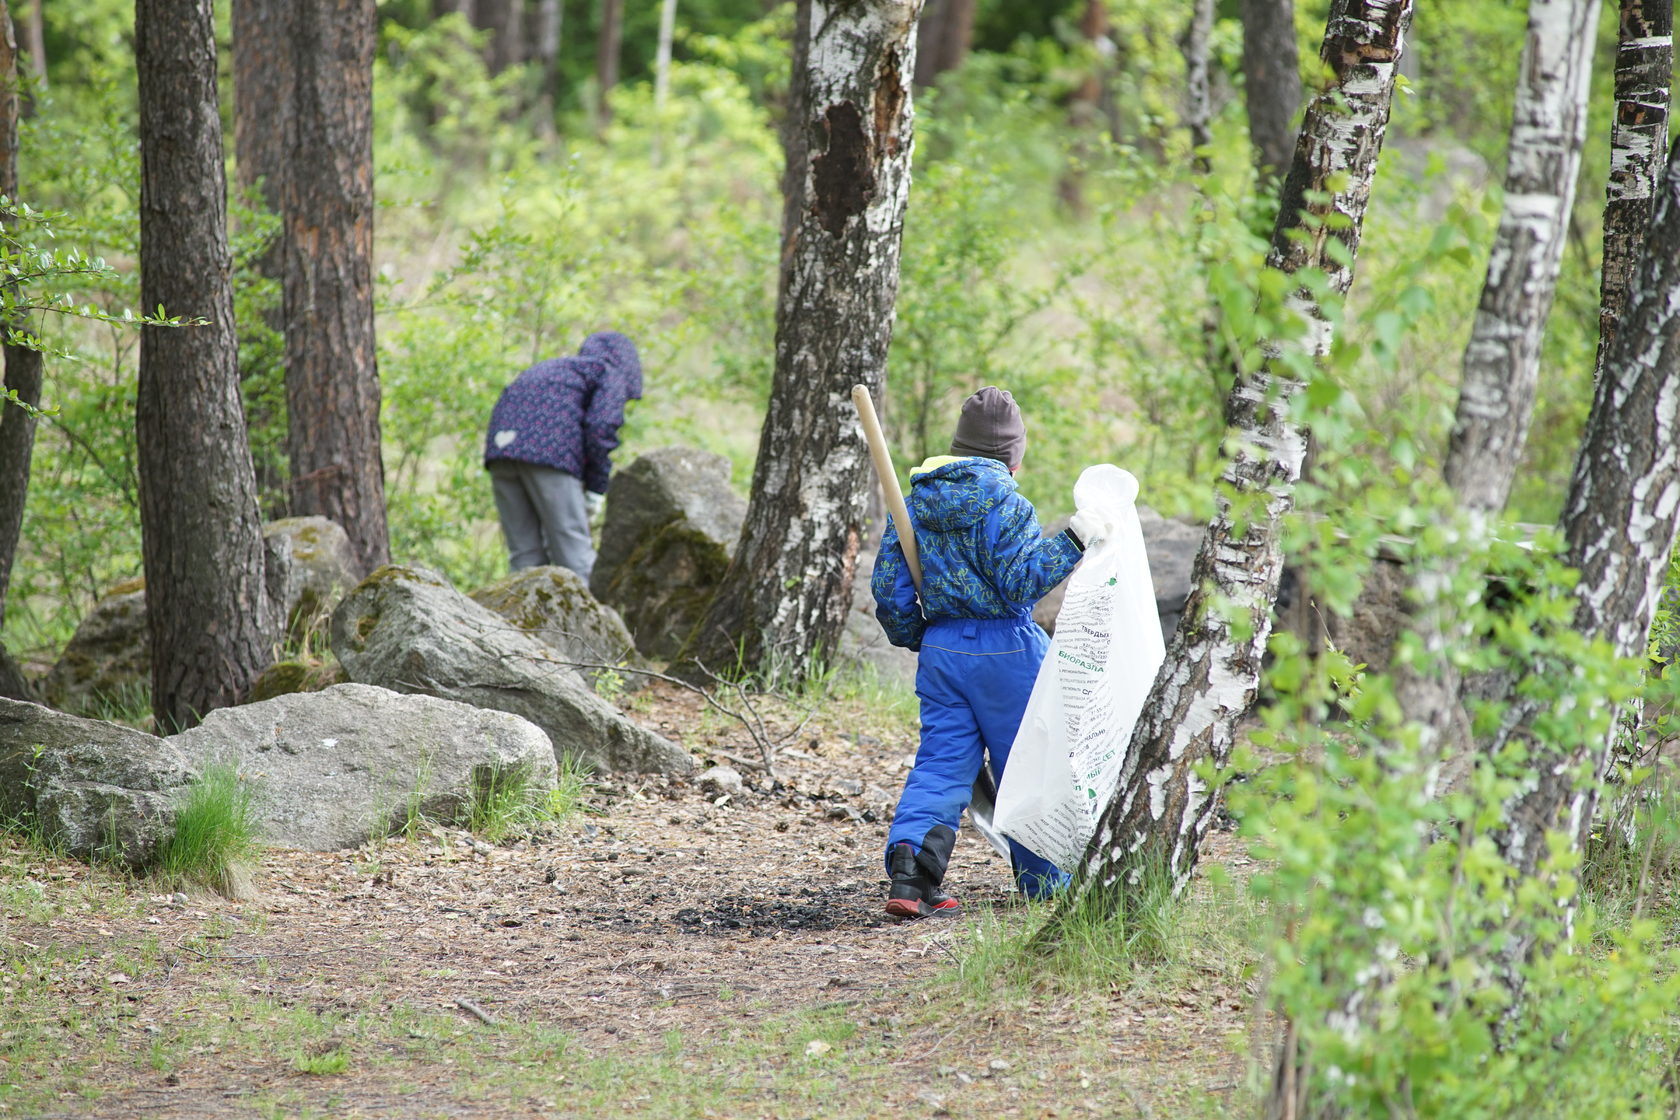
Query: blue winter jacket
x=983, y=554
x=565, y=412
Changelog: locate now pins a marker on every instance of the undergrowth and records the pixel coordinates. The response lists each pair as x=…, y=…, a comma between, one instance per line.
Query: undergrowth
x=215, y=840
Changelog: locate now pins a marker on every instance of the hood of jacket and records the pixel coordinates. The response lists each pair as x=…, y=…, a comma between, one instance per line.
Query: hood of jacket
x=620, y=365
x=949, y=493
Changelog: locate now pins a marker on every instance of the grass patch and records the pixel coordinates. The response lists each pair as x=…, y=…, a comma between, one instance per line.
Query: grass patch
x=323, y=1061
x=507, y=804
x=1147, y=940
x=214, y=843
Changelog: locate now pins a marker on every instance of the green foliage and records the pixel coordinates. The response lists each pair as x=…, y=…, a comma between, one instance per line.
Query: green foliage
x=215, y=834
x=507, y=805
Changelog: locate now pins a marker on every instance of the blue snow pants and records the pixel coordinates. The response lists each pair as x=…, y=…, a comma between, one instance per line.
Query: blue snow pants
x=973, y=679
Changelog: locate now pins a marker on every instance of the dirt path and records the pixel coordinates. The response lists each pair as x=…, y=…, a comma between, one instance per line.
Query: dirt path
x=727, y=952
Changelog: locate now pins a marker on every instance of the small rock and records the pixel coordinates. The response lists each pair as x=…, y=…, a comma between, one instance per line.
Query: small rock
x=848, y=787
x=722, y=779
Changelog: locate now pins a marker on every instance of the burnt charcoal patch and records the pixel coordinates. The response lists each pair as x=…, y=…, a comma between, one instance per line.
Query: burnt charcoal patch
x=809, y=909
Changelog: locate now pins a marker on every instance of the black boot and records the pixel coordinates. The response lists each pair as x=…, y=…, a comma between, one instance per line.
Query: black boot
x=916, y=877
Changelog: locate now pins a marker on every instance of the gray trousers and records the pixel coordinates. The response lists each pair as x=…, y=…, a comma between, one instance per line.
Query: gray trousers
x=544, y=518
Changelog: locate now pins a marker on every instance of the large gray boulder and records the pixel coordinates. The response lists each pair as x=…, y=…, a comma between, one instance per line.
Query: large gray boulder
x=107, y=665
x=554, y=606
x=332, y=769
x=97, y=790
x=864, y=643
x=1171, y=544
x=310, y=565
x=671, y=528
x=408, y=630
x=106, y=668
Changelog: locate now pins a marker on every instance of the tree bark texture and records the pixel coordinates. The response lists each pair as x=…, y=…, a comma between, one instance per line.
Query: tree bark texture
x=332, y=382
x=1272, y=77
x=263, y=84
x=1638, y=138
x=786, y=593
x=505, y=21
x=607, y=47
x=942, y=38
x=1502, y=359
x=1619, y=522
x=23, y=365
x=35, y=48
x=201, y=534
x=546, y=40
x=1198, y=98
x=468, y=8
x=1161, y=808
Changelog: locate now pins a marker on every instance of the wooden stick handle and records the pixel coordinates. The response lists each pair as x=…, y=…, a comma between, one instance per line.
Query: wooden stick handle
x=884, y=471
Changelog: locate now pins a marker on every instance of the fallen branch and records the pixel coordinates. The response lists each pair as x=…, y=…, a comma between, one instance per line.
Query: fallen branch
x=476, y=1011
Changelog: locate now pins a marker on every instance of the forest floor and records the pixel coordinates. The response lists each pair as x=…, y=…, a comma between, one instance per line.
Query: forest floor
x=673, y=951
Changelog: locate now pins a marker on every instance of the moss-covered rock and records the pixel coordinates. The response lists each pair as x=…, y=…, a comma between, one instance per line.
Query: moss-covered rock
x=553, y=605
x=672, y=524
x=296, y=674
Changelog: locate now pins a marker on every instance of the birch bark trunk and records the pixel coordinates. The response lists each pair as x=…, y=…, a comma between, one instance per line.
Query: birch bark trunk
x=1161, y=808
x=1198, y=98
x=1619, y=524
x=786, y=594
x=1638, y=139
x=1502, y=358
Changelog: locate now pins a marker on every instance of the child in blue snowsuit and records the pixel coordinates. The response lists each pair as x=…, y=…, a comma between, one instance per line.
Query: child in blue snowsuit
x=984, y=566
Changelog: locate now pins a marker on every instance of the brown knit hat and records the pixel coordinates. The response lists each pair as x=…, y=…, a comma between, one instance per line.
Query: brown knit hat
x=991, y=427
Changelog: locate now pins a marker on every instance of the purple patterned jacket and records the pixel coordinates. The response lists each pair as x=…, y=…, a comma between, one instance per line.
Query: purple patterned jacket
x=565, y=412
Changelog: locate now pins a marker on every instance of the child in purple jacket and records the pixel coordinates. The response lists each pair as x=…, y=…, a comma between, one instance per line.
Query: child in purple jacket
x=548, y=450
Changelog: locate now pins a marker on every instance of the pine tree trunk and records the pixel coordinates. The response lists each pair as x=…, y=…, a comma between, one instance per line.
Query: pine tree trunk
x=1502, y=358
x=942, y=38
x=786, y=594
x=1161, y=809
x=468, y=8
x=1638, y=138
x=1198, y=98
x=23, y=365
x=606, y=58
x=1272, y=75
x=209, y=614
x=263, y=86
x=332, y=382
x=505, y=21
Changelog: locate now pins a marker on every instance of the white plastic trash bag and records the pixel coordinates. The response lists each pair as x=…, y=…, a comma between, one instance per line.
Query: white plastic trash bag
x=1102, y=661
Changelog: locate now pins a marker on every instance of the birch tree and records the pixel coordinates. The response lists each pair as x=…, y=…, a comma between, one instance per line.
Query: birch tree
x=1161, y=808
x=1502, y=357
x=1638, y=138
x=787, y=591
x=201, y=533
x=1198, y=98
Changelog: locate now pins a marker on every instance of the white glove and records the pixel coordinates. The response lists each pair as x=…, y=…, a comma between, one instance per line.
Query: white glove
x=1090, y=528
x=594, y=503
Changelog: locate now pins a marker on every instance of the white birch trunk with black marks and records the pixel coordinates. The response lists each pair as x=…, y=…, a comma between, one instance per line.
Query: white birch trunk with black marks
x=1619, y=525
x=1161, y=808
x=1638, y=139
x=1502, y=358
x=1198, y=98
x=787, y=592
